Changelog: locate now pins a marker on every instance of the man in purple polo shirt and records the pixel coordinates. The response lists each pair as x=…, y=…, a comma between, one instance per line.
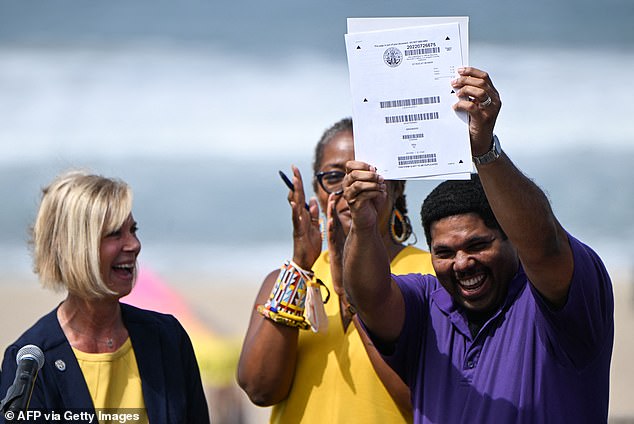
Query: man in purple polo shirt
x=518, y=325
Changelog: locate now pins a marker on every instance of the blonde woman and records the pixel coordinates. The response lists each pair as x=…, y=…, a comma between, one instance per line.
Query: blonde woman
x=102, y=355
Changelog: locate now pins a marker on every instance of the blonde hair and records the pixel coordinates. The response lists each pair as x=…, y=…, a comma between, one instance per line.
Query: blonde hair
x=77, y=210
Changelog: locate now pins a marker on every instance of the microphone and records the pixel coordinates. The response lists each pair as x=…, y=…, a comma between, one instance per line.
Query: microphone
x=30, y=359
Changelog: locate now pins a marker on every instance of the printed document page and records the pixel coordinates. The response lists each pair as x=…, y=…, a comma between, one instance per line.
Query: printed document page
x=404, y=122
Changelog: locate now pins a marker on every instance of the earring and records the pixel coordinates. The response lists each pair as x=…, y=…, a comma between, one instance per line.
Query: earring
x=400, y=227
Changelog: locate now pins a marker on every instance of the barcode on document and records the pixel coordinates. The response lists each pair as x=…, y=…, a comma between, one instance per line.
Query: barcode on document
x=428, y=50
x=410, y=102
x=411, y=117
x=420, y=159
x=413, y=136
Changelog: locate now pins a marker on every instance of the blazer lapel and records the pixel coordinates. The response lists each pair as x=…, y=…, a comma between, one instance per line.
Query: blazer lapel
x=62, y=368
x=146, y=343
x=66, y=373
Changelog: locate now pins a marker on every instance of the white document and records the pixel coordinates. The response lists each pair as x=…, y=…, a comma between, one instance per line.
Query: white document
x=404, y=123
x=381, y=24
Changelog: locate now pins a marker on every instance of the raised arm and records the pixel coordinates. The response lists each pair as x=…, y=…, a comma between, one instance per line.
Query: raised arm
x=267, y=362
x=520, y=207
x=366, y=265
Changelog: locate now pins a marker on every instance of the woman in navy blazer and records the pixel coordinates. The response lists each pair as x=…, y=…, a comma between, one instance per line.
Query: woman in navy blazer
x=84, y=242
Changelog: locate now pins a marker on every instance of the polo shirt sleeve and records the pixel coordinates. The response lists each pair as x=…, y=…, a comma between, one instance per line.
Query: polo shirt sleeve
x=404, y=354
x=578, y=332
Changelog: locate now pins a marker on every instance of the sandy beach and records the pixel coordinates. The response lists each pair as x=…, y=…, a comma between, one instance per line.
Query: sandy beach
x=225, y=307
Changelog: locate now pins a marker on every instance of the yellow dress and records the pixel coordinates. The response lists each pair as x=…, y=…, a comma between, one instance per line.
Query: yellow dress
x=334, y=378
x=114, y=384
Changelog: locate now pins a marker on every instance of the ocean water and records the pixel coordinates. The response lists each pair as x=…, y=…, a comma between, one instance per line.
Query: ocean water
x=197, y=107
x=230, y=218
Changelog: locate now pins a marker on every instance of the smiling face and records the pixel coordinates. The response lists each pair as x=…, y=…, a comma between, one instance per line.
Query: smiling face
x=473, y=262
x=118, y=253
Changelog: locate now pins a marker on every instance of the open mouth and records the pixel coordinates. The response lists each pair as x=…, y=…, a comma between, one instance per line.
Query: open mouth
x=124, y=270
x=473, y=286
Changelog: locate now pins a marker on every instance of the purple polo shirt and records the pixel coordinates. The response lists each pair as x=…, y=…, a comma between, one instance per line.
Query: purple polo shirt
x=528, y=363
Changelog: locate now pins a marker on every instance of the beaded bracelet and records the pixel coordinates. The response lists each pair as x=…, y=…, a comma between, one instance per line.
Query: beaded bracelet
x=287, y=301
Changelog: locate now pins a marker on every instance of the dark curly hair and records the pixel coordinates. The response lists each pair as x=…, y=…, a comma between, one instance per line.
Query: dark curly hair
x=456, y=198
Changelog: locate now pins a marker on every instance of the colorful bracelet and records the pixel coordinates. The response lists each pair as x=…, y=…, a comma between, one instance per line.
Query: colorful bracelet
x=287, y=301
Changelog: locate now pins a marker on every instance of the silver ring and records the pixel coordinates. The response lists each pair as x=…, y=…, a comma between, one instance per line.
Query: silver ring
x=487, y=102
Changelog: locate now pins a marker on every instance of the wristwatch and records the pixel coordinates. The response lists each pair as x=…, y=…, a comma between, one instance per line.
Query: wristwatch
x=491, y=155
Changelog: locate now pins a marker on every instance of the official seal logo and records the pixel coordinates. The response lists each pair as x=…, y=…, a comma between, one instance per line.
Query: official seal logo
x=393, y=57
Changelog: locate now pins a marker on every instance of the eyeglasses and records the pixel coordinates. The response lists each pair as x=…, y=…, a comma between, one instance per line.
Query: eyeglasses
x=331, y=181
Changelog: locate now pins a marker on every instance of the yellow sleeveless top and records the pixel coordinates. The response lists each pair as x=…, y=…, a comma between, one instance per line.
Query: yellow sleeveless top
x=334, y=379
x=114, y=383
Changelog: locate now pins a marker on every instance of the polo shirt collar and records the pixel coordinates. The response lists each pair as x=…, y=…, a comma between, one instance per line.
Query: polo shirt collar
x=456, y=313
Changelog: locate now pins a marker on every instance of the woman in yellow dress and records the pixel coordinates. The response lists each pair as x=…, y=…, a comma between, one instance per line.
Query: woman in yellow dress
x=334, y=375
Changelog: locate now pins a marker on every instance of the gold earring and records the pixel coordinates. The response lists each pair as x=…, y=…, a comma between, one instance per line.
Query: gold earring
x=400, y=227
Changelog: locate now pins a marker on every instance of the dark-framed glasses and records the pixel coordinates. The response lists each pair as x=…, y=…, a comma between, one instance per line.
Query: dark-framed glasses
x=331, y=181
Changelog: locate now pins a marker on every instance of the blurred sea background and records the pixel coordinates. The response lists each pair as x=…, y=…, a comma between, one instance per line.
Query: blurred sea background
x=198, y=104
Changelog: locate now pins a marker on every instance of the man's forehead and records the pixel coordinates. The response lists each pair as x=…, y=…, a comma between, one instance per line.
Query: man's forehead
x=461, y=226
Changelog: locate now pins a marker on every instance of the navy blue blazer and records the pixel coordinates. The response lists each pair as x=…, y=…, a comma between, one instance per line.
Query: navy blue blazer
x=170, y=378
